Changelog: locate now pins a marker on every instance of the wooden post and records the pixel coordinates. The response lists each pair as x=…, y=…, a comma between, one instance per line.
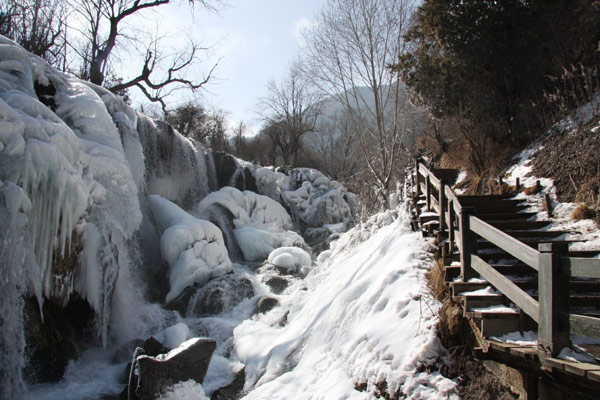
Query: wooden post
x=417, y=180
x=451, y=217
x=518, y=184
x=428, y=192
x=442, y=203
x=553, y=290
x=468, y=244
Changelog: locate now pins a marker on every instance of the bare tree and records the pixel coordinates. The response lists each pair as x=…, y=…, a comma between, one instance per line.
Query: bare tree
x=37, y=25
x=335, y=145
x=103, y=34
x=347, y=54
x=290, y=111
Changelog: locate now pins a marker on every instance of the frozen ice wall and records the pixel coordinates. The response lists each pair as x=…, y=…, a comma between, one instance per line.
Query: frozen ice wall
x=63, y=173
x=177, y=168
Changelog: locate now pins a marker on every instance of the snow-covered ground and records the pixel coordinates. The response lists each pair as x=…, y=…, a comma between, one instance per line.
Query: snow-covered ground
x=364, y=316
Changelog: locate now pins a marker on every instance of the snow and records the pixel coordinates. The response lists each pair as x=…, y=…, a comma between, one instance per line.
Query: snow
x=290, y=258
x=577, y=354
x=527, y=338
x=366, y=316
x=260, y=223
x=188, y=390
x=194, y=248
x=174, y=335
x=496, y=309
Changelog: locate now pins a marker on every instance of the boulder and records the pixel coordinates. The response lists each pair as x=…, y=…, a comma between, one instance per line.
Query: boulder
x=219, y=295
x=234, y=390
x=189, y=361
x=277, y=284
x=265, y=304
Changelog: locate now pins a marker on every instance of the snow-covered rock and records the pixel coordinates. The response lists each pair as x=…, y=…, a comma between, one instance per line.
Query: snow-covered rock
x=260, y=224
x=312, y=198
x=292, y=259
x=194, y=248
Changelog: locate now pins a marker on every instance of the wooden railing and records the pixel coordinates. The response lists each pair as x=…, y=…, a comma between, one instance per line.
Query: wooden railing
x=554, y=267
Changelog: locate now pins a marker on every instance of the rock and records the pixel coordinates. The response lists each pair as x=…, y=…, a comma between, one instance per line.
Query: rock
x=180, y=303
x=265, y=304
x=153, y=347
x=155, y=374
x=51, y=343
x=277, y=284
x=219, y=295
x=234, y=390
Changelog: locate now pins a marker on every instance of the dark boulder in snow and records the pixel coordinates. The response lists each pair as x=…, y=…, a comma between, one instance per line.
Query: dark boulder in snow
x=188, y=362
x=219, y=295
x=234, y=390
x=265, y=304
x=277, y=284
x=231, y=173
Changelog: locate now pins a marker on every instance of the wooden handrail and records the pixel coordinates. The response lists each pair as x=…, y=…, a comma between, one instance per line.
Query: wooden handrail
x=514, y=293
x=512, y=246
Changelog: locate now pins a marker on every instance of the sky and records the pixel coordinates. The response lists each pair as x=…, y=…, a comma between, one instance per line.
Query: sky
x=255, y=41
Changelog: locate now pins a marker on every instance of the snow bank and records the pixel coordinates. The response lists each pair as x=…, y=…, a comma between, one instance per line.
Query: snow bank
x=366, y=317
x=260, y=223
x=194, y=248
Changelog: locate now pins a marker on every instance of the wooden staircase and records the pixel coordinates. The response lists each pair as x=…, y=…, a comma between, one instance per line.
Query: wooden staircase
x=490, y=312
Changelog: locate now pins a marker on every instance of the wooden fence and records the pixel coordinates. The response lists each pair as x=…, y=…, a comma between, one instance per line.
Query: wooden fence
x=554, y=267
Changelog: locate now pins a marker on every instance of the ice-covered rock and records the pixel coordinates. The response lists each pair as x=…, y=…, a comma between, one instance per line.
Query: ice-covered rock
x=260, y=224
x=194, y=248
x=220, y=295
x=292, y=259
x=313, y=199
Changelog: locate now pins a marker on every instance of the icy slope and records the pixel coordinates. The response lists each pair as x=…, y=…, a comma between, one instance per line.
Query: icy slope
x=366, y=317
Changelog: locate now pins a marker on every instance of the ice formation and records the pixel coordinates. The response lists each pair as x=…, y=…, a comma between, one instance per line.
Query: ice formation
x=260, y=223
x=194, y=248
x=312, y=198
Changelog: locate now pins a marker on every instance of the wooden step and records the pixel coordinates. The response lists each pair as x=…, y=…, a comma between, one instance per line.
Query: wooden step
x=520, y=234
x=471, y=302
x=488, y=217
x=495, y=324
x=427, y=218
x=451, y=272
x=520, y=225
x=457, y=288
